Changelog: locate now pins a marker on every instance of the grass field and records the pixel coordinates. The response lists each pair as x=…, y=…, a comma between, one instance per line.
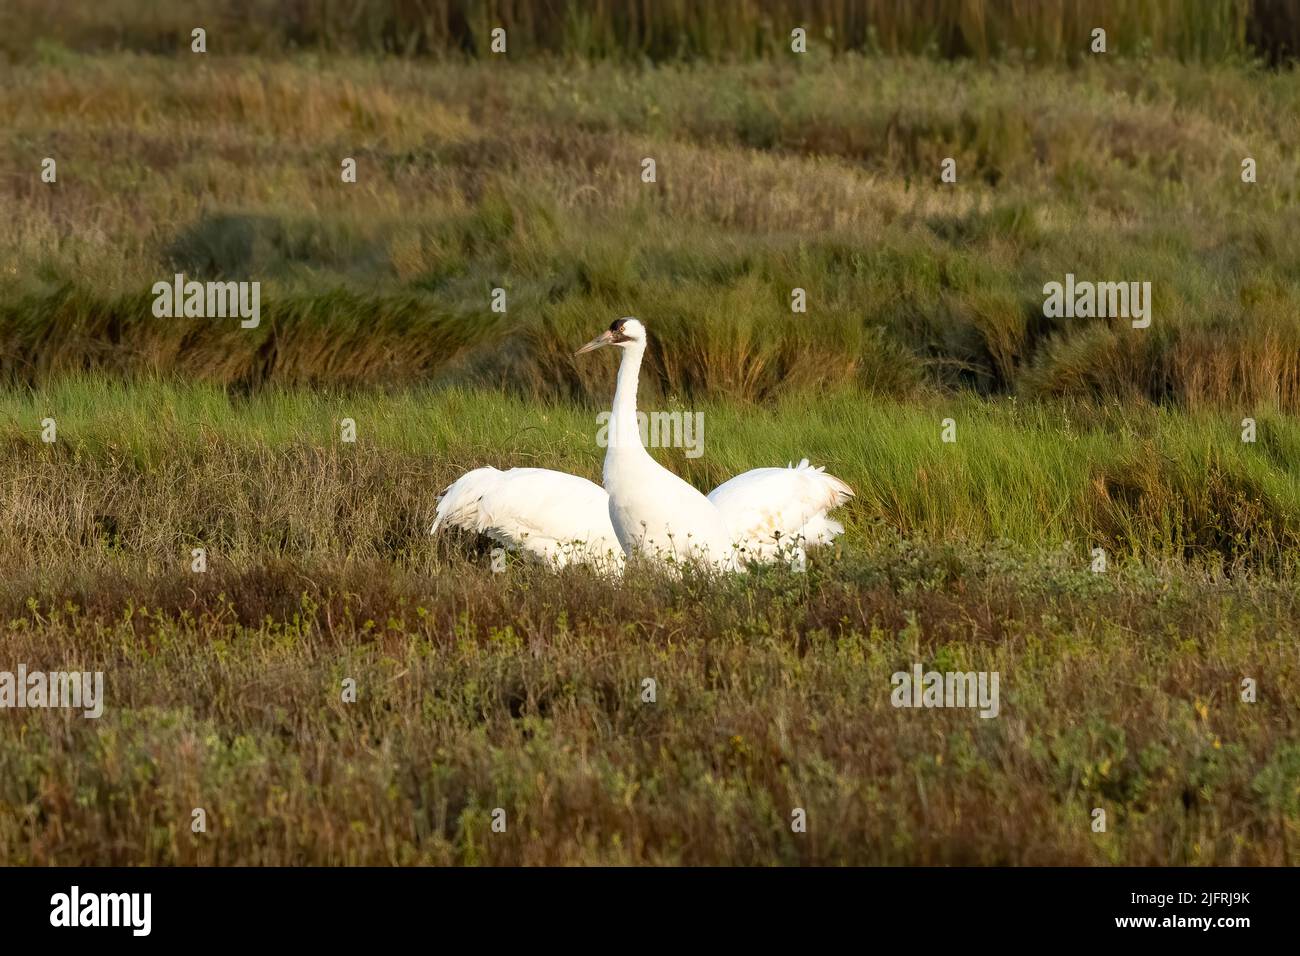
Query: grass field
x=1121, y=690
x=523, y=691
x=1039, y=31
x=527, y=178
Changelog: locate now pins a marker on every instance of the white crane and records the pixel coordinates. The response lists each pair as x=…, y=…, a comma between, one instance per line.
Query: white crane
x=560, y=518
x=763, y=515
x=653, y=511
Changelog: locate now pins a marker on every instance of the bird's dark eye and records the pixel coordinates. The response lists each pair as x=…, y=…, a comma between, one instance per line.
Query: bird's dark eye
x=616, y=325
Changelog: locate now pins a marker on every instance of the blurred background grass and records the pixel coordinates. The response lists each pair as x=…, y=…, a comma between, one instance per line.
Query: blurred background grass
x=820, y=175
x=658, y=30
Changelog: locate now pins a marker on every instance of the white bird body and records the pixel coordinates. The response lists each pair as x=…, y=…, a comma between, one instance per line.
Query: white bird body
x=654, y=512
x=774, y=513
x=560, y=518
x=663, y=518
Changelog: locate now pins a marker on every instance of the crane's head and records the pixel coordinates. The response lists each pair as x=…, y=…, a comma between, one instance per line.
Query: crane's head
x=621, y=332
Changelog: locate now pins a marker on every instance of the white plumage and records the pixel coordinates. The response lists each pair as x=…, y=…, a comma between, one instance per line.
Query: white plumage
x=764, y=515
x=654, y=512
x=558, y=517
x=773, y=513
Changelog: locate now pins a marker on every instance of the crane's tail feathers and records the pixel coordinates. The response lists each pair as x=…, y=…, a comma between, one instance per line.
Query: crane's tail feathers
x=458, y=505
x=837, y=491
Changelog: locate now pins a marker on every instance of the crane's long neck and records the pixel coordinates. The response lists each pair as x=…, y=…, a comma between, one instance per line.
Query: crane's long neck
x=624, y=430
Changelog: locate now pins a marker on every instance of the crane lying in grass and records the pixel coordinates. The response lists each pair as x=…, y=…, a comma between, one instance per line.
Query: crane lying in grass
x=763, y=515
x=558, y=517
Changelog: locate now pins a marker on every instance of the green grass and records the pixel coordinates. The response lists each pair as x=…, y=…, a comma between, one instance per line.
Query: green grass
x=170, y=466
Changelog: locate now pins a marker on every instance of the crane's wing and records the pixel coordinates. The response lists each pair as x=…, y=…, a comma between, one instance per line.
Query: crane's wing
x=771, y=509
x=550, y=514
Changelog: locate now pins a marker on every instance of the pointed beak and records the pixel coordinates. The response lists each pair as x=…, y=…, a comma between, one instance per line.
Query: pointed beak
x=605, y=338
